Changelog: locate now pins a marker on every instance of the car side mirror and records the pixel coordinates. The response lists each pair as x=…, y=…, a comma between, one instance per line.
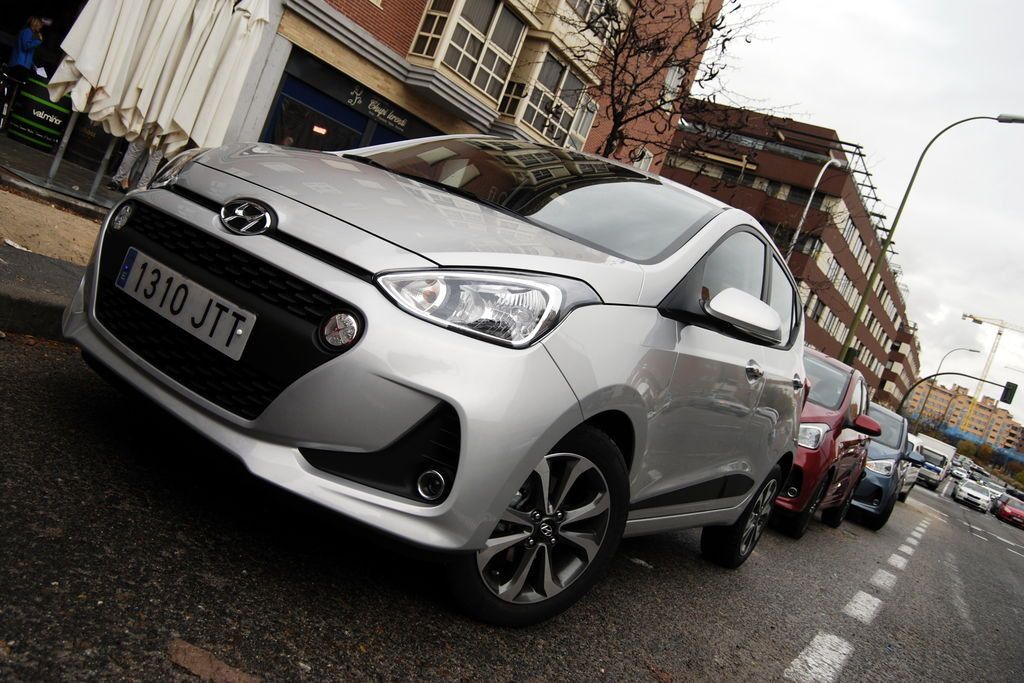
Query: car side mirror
x=915, y=458
x=867, y=425
x=747, y=314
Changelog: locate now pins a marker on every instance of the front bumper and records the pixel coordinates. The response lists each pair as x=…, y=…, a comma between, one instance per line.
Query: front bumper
x=979, y=505
x=875, y=491
x=1016, y=520
x=512, y=406
x=808, y=466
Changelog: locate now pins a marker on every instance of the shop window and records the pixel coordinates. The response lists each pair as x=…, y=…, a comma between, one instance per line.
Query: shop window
x=484, y=45
x=553, y=102
x=432, y=28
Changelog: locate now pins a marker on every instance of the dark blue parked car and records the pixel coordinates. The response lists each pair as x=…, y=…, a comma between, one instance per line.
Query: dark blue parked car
x=887, y=475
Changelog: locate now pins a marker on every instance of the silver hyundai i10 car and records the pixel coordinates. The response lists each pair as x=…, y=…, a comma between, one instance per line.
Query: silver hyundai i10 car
x=513, y=353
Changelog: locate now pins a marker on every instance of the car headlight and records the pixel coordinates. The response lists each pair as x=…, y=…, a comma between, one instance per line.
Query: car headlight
x=173, y=168
x=811, y=435
x=513, y=309
x=881, y=466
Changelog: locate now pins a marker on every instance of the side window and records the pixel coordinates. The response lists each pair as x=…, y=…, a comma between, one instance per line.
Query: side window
x=783, y=300
x=737, y=262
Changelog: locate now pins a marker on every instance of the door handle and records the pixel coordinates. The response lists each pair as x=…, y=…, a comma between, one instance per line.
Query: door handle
x=754, y=371
x=798, y=383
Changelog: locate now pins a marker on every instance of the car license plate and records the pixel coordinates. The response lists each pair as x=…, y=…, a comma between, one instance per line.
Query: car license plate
x=195, y=309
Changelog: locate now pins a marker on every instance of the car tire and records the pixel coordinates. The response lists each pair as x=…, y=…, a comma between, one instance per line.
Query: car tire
x=904, y=494
x=877, y=521
x=795, y=524
x=834, y=517
x=730, y=546
x=550, y=545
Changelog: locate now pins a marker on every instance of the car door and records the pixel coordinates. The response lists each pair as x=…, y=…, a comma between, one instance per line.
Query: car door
x=777, y=418
x=702, y=452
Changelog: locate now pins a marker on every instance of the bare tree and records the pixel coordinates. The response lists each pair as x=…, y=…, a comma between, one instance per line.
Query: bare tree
x=652, y=58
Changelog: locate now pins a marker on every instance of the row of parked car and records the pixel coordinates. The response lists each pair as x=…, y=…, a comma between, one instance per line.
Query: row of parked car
x=851, y=453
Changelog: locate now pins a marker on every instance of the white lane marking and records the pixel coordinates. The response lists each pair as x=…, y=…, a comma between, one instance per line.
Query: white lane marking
x=911, y=540
x=898, y=561
x=821, y=661
x=916, y=534
x=884, y=580
x=926, y=505
x=945, y=489
x=957, y=592
x=967, y=523
x=979, y=536
x=1015, y=552
x=1003, y=540
x=863, y=607
x=906, y=550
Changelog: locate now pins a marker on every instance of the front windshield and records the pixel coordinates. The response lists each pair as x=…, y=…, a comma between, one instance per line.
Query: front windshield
x=828, y=383
x=891, y=424
x=1015, y=504
x=975, y=488
x=585, y=198
x=933, y=458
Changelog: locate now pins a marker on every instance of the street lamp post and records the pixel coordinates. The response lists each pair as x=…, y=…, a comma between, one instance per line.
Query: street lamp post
x=876, y=269
x=841, y=165
x=932, y=383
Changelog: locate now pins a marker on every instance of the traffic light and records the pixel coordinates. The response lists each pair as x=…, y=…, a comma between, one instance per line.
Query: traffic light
x=1009, y=389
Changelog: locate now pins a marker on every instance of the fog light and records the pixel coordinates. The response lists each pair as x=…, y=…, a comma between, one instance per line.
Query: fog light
x=792, y=492
x=430, y=485
x=120, y=218
x=340, y=330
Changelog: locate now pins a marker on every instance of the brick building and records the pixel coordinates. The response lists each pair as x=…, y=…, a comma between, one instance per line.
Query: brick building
x=767, y=166
x=947, y=408
x=336, y=74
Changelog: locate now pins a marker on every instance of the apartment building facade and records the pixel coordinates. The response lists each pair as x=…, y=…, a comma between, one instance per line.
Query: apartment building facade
x=768, y=166
x=336, y=74
x=948, y=407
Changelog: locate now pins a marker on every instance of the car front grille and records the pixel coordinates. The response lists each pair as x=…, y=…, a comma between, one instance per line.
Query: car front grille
x=284, y=343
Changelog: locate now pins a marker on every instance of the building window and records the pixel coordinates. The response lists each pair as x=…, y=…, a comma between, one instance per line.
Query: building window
x=484, y=45
x=553, y=102
x=643, y=159
x=514, y=92
x=582, y=124
x=432, y=28
x=672, y=87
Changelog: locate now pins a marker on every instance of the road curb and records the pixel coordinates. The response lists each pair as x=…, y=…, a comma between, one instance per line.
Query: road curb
x=17, y=184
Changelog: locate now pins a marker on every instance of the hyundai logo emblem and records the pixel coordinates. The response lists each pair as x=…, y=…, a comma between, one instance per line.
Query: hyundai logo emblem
x=246, y=217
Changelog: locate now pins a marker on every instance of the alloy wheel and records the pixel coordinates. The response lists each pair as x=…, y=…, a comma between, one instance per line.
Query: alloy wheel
x=758, y=518
x=550, y=532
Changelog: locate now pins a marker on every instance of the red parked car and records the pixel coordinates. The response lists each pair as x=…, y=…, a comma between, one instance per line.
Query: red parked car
x=832, y=448
x=1011, y=510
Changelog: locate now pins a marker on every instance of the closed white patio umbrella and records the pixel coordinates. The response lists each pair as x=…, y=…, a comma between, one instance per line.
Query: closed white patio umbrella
x=86, y=47
x=205, y=109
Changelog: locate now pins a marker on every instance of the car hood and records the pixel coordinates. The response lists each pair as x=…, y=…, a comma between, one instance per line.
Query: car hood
x=440, y=226
x=879, y=451
x=812, y=412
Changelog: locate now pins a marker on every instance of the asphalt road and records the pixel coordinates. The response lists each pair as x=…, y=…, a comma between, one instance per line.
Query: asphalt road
x=127, y=540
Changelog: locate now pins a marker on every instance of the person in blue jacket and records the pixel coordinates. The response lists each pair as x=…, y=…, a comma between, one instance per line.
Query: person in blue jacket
x=23, y=53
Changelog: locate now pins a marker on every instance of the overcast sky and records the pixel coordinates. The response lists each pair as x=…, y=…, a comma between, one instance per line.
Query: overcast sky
x=889, y=74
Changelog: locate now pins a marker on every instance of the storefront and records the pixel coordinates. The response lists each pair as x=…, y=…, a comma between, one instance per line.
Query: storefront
x=318, y=107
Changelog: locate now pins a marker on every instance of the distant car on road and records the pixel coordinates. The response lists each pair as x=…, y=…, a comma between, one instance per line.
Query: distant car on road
x=1012, y=511
x=972, y=494
x=888, y=475
x=958, y=473
x=832, y=448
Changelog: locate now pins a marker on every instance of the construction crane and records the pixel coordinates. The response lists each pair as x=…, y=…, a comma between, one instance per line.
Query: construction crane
x=1000, y=325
